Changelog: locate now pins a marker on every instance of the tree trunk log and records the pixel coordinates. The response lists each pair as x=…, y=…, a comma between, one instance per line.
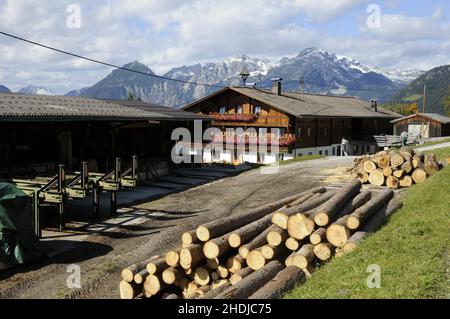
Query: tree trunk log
x=129, y=290
x=374, y=223
x=283, y=282
x=387, y=171
x=189, y=238
x=202, y=276
x=257, y=242
x=255, y=259
x=318, y=236
x=392, y=182
x=369, y=166
x=338, y=233
x=252, y=282
x=277, y=237
x=235, y=263
x=419, y=176
x=292, y=244
x=244, y=234
x=216, y=247
x=377, y=177
x=398, y=173
x=139, y=278
x=430, y=164
x=156, y=266
x=171, y=275
x=190, y=256
x=281, y=217
x=362, y=214
x=324, y=251
x=304, y=257
x=129, y=272
x=396, y=159
x=219, y=227
x=406, y=181
x=153, y=285
x=330, y=208
x=173, y=258
x=299, y=226
x=235, y=278
x=215, y=292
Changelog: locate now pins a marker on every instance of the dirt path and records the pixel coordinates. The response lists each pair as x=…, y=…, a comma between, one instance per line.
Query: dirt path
x=102, y=257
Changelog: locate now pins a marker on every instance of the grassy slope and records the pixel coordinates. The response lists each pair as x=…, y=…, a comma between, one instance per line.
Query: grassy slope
x=413, y=251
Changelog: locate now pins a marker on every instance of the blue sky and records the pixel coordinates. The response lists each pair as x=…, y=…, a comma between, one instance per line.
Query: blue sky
x=169, y=33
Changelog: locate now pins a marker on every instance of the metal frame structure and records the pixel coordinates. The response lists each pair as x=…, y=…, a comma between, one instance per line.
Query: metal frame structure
x=55, y=191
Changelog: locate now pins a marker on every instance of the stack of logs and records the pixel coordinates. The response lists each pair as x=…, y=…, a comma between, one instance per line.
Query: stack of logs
x=395, y=169
x=264, y=252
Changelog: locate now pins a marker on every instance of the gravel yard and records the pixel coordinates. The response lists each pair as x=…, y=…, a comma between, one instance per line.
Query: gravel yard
x=102, y=256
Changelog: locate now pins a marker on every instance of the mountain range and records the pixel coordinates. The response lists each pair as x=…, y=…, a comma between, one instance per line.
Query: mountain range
x=323, y=73
x=437, y=84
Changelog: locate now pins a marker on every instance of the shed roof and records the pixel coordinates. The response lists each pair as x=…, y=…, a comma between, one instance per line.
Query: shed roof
x=433, y=116
x=23, y=107
x=311, y=105
x=171, y=113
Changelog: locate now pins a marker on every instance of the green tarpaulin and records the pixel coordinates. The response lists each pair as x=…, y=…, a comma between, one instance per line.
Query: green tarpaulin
x=18, y=242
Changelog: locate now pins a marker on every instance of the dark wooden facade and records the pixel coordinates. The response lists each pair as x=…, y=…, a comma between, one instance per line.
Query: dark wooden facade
x=309, y=132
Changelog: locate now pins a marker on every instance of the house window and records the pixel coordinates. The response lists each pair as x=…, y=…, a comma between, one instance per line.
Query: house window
x=222, y=110
x=299, y=132
x=309, y=133
x=239, y=109
x=257, y=110
x=276, y=132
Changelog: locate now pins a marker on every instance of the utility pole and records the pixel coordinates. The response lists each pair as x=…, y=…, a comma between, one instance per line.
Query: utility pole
x=424, y=99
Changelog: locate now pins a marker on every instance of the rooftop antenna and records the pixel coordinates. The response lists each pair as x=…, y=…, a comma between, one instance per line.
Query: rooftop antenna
x=302, y=83
x=244, y=74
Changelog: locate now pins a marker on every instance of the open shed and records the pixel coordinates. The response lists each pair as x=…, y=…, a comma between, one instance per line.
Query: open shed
x=426, y=125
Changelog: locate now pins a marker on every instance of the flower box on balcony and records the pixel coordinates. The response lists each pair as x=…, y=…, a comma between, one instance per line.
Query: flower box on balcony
x=233, y=117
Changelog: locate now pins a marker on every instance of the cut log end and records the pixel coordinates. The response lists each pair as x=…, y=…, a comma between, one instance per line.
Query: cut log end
x=321, y=219
x=234, y=240
x=353, y=222
x=172, y=258
x=203, y=233
x=337, y=235
x=202, y=276
x=127, y=290
x=127, y=275
x=255, y=260
x=211, y=250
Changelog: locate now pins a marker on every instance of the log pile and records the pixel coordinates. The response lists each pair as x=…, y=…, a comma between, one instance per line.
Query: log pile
x=395, y=168
x=263, y=252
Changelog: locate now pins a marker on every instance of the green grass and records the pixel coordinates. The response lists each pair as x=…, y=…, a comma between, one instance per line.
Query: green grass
x=413, y=251
x=301, y=159
x=412, y=98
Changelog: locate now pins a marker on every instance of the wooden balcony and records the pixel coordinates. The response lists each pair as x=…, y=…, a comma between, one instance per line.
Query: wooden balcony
x=259, y=121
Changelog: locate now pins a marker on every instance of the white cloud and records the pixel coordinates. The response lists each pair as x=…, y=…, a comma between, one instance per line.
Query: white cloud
x=164, y=34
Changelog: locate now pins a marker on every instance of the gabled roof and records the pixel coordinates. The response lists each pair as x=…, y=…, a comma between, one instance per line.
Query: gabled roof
x=23, y=107
x=432, y=116
x=171, y=113
x=310, y=105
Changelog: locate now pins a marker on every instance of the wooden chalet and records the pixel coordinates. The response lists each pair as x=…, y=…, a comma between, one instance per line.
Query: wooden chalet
x=304, y=123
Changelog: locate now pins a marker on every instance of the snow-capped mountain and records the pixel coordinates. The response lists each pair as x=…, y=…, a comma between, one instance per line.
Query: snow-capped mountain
x=4, y=89
x=403, y=77
x=35, y=90
x=324, y=73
